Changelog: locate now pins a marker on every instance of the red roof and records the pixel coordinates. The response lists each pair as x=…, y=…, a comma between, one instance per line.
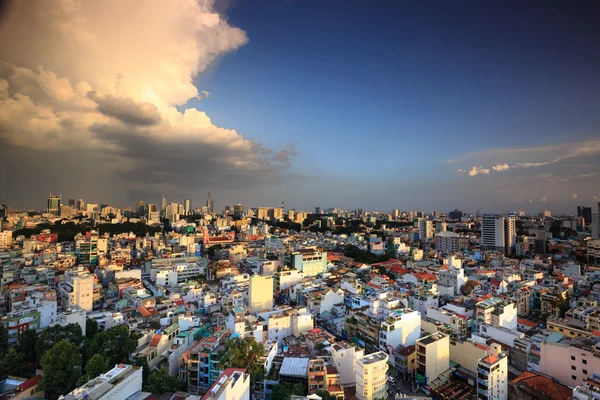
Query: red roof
x=543, y=387
x=526, y=322
x=155, y=340
x=144, y=312
x=28, y=384
x=179, y=302
x=425, y=276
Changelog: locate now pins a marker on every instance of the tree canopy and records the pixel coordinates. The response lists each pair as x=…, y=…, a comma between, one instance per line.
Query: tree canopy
x=55, y=334
x=62, y=368
x=161, y=382
x=96, y=366
x=284, y=391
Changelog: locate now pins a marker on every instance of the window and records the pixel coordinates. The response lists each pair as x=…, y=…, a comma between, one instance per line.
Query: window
x=573, y=377
x=584, y=371
x=572, y=357
x=573, y=368
x=584, y=361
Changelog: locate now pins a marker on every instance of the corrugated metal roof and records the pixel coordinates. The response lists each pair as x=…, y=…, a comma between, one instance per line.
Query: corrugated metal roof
x=294, y=366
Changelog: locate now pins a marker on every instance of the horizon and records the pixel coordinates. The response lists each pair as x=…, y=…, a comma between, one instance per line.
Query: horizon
x=413, y=106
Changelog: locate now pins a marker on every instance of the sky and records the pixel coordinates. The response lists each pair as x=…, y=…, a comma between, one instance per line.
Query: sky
x=389, y=104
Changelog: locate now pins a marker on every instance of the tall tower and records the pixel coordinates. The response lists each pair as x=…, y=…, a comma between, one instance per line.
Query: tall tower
x=163, y=205
x=210, y=204
x=187, y=206
x=53, y=204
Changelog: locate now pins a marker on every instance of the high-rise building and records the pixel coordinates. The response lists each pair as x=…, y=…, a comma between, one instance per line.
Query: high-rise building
x=433, y=357
x=456, y=214
x=371, y=376
x=260, y=293
x=499, y=233
x=187, y=206
x=317, y=210
x=425, y=229
x=492, y=375
x=140, y=208
x=53, y=204
x=71, y=202
x=3, y=210
x=80, y=205
x=163, y=205
x=585, y=213
x=596, y=224
x=291, y=214
x=77, y=290
x=210, y=204
x=238, y=211
x=395, y=213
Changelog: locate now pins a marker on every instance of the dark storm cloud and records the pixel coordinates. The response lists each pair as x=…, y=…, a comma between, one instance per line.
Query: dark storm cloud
x=127, y=110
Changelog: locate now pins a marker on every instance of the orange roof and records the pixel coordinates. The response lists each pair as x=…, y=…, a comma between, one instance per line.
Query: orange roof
x=425, y=275
x=526, y=322
x=144, y=312
x=480, y=346
x=155, y=340
x=596, y=333
x=491, y=359
x=544, y=387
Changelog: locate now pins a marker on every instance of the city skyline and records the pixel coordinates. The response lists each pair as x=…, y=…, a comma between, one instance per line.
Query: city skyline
x=412, y=106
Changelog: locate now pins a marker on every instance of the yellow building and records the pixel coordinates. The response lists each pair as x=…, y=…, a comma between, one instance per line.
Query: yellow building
x=371, y=376
x=260, y=293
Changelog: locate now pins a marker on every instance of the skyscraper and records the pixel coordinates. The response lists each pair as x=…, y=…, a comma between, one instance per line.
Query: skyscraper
x=140, y=208
x=238, y=211
x=53, y=204
x=586, y=213
x=498, y=232
x=80, y=204
x=163, y=205
x=71, y=202
x=596, y=224
x=187, y=206
x=210, y=204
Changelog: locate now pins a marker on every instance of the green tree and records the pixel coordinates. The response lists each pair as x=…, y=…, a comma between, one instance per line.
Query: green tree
x=161, y=382
x=62, y=368
x=245, y=353
x=3, y=339
x=116, y=344
x=26, y=346
x=13, y=363
x=284, y=391
x=324, y=395
x=54, y=334
x=142, y=362
x=96, y=366
x=91, y=328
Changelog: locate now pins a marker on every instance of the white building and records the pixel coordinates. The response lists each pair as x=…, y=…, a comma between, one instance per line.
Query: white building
x=403, y=327
x=497, y=312
x=498, y=233
x=452, y=278
x=492, y=375
x=371, y=376
x=433, y=357
x=344, y=357
x=309, y=261
x=77, y=290
x=260, y=293
x=425, y=229
x=119, y=383
x=233, y=384
x=286, y=279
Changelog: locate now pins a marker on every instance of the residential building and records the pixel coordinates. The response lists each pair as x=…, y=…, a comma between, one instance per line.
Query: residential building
x=260, y=293
x=344, y=356
x=371, y=376
x=570, y=361
x=317, y=375
x=402, y=327
x=425, y=229
x=447, y=242
x=498, y=233
x=433, y=357
x=233, y=384
x=77, y=290
x=121, y=382
x=492, y=375
x=497, y=312
x=309, y=261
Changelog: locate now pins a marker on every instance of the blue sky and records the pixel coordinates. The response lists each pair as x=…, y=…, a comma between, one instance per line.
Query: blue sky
x=386, y=104
x=381, y=89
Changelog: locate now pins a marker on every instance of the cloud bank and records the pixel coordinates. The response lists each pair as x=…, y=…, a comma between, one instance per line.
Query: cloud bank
x=104, y=79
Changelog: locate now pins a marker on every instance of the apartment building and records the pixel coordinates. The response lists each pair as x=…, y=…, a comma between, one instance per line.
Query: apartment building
x=121, y=382
x=344, y=356
x=317, y=375
x=447, y=242
x=497, y=312
x=570, y=361
x=371, y=376
x=456, y=323
x=260, y=293
x=433, y=357
x=492, y=375
x=77, y=290
x=233, y=384
x=309, y=261
x=402, y=327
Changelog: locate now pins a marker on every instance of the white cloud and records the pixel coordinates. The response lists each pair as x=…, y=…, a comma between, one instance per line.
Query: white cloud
x=543, y=199
x=596, y=198
x=478, y=170
x=500, y=167
x=530, y=200
x=107, y=76
x=574, y=196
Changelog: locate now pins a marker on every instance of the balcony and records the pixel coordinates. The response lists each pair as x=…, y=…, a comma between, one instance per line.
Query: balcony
x=482, y=382
x=483, y=371
x=482, y=392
